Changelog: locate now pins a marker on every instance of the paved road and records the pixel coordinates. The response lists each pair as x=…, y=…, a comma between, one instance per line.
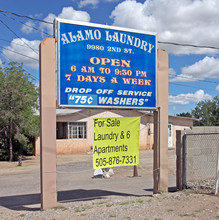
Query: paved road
x=74, y=182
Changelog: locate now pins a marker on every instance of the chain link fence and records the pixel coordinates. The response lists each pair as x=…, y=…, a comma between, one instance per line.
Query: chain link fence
x=200, y=160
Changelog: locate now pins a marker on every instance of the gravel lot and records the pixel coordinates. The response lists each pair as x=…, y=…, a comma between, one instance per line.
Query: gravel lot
x=82, y=197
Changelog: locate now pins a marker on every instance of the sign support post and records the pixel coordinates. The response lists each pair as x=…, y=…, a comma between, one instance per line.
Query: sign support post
x=156, y=153
x=160, y=169
x=48, y=123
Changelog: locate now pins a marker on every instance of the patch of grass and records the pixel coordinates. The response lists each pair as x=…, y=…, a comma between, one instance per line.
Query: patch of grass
x=124, y=203
x=82, y=209
x=83, y=214
x=109, y=205
x=98, y=203
x=112, y=216
x=217, y=217
x=161, y=191
x=21, y=215
x=77, y=210
x=60, y=208
x=149, y=200
x=140, y=201
x=170, y=210
x=197, y=211
x=158, y=219
x=184, y=215
x=86, y=207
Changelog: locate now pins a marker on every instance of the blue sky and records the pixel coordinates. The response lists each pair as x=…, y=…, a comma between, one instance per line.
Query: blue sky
x=193, y=71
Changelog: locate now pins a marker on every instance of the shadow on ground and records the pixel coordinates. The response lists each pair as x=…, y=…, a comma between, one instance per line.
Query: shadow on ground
x=170, y=189
x=21, y=202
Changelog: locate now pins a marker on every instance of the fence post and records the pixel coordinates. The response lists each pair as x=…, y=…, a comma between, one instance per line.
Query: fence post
x=217, y=174
x=179, y=159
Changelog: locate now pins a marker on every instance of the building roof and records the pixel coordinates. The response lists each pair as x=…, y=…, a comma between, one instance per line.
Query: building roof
x=60, y=112
x=66, y=111
x=187, y=118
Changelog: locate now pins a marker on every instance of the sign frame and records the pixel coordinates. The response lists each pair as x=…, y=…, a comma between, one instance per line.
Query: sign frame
x=57, y=34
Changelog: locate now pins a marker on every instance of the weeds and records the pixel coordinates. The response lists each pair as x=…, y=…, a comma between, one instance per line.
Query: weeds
x=124, y=203
x=60, y=208
x=140, y=201
x=149, y=200
x=98, y=203
x=184, y=215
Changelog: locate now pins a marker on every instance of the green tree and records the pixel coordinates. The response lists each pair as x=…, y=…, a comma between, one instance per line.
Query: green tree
x=18, y=103
x=187, y=114
x=207, y=112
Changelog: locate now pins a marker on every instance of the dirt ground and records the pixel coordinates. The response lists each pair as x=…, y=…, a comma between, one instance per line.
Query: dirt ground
x=82, y=197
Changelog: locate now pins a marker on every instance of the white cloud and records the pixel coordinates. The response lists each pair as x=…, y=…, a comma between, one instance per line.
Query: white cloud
x=172, y=72
x=0, y=63
x=18, y=51
x=84, y=3
x=184, y=21
x=111, y=0
x=67, y=13
x=184, y=99
x=93, y=3
x=205, y=68
x=27, y=28
x=217, y=88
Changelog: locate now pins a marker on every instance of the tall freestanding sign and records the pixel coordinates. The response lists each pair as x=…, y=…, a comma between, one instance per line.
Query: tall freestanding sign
x=101, y=66
x=104, y=66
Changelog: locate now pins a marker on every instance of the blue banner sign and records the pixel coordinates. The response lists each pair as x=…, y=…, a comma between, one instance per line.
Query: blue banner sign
x=105, y=67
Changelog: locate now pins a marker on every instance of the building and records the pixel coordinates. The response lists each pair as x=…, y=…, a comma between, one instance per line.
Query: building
x=75, y=128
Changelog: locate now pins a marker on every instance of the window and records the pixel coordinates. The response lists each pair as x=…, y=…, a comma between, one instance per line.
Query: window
x=61, y=130
x=77, y=130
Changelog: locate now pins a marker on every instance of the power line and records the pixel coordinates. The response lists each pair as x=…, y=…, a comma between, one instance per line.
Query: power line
x=15, y=43
x=19, y=53
x=189, y=45
x=195, y=79
x=24, y=16
x=27, y=25
x=178, y=84
x=36, y=78
x=161, y=42
x=18, y=36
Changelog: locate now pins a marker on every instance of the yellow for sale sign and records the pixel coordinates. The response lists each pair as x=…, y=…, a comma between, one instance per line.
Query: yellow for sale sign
x=115, y=142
